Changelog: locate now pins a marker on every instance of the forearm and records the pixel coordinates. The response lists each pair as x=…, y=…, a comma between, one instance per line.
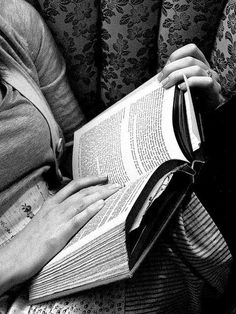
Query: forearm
x=12, y=270
x=60, y=217
x=23, y=256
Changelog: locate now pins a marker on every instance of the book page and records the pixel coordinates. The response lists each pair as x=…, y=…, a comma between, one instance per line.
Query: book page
x=112, y=214
x=129, y=139
x=155, y=193
x=192, y=122
x=115, y=205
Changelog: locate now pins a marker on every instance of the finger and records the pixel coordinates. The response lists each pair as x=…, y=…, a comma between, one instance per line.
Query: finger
x=182, y=64
x=206, y=83
x=177, y=76
x=208, y=89
x=97, y=188
x=79, y=220
x=75, y=186
x=213, y=74
x=81, y=201
x=188, y=50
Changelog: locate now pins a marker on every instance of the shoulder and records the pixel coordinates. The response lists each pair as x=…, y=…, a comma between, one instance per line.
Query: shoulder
x=19, y=15
x=15, y=9
x=23, y=25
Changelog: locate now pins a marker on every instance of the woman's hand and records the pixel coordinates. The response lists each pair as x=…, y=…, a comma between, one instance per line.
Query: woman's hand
x=61, y=216
x=189, y=60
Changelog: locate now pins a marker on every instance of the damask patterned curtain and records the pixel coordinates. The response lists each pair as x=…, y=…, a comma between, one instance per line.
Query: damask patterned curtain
x=112, y=46
x=223, y=56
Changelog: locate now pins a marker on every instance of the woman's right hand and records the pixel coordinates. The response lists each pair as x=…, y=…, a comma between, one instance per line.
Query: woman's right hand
x=190, y=60
x=61, y=216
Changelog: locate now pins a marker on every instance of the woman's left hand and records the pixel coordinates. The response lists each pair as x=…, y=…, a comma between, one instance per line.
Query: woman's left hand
x=190, y=60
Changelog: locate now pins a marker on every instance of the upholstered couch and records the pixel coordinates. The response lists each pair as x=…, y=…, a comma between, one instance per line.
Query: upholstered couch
x=112, y=46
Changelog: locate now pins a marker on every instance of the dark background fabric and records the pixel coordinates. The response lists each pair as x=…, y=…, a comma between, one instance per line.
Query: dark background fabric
x=111, y=47
x=216, y=185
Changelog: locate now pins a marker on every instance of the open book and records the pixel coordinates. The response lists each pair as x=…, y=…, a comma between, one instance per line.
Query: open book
x=150, y=142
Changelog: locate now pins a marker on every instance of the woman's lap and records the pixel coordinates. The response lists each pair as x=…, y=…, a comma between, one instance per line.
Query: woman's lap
x=182, y=268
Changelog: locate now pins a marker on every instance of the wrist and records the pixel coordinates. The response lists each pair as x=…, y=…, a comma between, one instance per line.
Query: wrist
x=18, y=262
x=10, y=272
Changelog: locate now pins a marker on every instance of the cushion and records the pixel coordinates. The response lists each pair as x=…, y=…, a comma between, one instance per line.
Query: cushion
x=111, y=47
x=187, y=21
x=223, y=57
x=74, y=26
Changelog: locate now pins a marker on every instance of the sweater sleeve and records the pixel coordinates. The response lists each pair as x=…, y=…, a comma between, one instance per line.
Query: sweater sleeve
x=50, y=67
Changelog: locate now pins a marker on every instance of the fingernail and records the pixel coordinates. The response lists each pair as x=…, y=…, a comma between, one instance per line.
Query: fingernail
x=159, y=76
x=182, y=86
x=100, y=203
x=166, y=82
x=103, y=176
x=114, y=186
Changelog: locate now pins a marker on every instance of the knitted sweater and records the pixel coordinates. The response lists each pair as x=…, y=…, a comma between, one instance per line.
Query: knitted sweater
x=25, y=150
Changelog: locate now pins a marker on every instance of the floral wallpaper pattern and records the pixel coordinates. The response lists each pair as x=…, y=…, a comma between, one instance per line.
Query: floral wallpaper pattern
x=113, y=46
x=188, y=21
x=74, y=26
x=129, y=36
x=223, y=56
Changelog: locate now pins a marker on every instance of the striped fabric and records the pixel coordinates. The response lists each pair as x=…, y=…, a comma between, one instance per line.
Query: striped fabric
x=192, y=262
